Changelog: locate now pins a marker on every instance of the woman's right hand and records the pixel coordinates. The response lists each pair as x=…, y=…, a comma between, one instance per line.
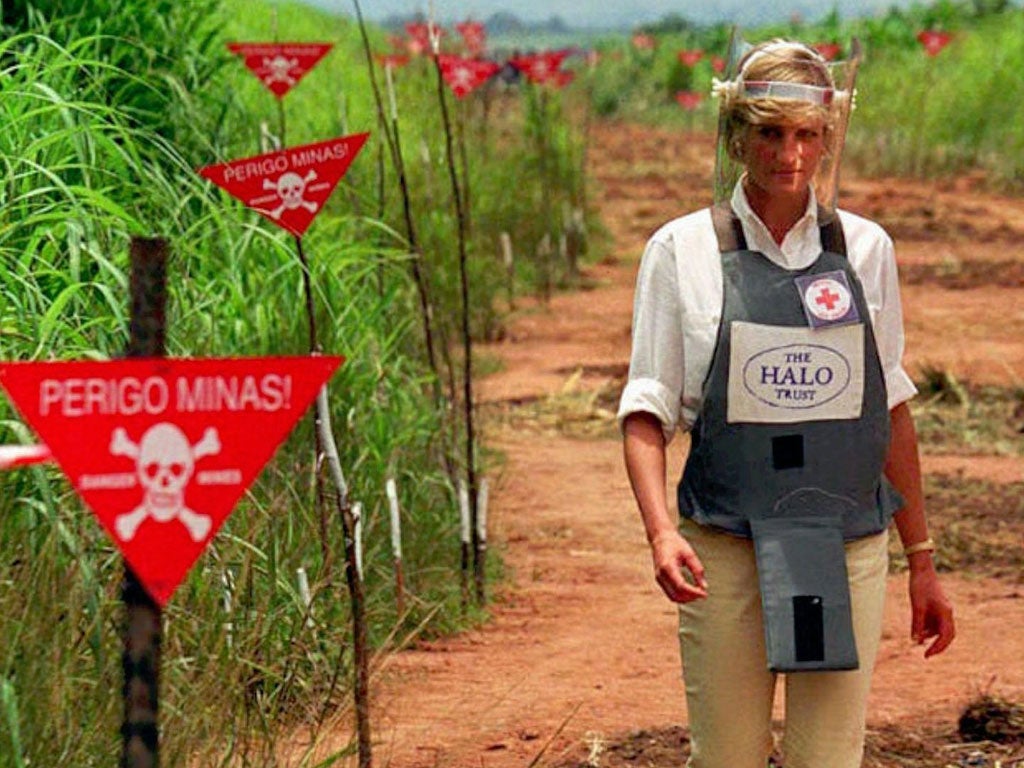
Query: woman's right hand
x=672, y=555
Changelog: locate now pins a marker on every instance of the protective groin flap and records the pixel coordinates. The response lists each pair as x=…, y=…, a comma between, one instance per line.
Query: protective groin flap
x=805, y=594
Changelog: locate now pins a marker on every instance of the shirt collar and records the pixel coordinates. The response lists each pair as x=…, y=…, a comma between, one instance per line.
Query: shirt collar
x=799, y=248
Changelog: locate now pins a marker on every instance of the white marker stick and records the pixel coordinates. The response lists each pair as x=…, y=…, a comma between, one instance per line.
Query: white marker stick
x=392, y=101
x=433, y=31
x=396, y=546
x=396, y=519
x=481, y=511
x=464, y=529
x=506, y=249
x=305, y=595
x=357, y=514
x=227, y=600
x=22, y=455
x=465, y=545
x=343, y=112
x=268, y=141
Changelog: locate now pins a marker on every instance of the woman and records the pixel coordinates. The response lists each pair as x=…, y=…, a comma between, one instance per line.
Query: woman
x=770, y=328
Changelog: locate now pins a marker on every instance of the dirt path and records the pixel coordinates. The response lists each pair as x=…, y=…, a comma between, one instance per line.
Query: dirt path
x=582, y=645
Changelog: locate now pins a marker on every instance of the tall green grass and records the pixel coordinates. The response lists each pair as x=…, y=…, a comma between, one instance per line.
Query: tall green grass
x=79, y=181
x=82, y=169
x=950, y=114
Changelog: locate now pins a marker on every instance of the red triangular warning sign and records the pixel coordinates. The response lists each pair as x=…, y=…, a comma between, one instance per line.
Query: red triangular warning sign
x=280, y=66
x=163, y=449
x=540, y=68
x=289, y=186
x=464, y=75
x=474, y=35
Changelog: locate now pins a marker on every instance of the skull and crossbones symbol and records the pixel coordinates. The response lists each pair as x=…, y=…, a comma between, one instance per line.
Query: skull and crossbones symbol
x=277, y=70
x=291, y=188
x=462, y=78
x=165, y=462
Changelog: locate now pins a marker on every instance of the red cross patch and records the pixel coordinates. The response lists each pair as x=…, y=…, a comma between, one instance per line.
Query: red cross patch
x=827, y=299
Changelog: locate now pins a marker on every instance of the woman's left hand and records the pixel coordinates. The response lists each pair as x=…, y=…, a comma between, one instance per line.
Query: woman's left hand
x=931, y=611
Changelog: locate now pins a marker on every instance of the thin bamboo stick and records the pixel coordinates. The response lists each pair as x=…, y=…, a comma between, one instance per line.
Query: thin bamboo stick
x=467, y=342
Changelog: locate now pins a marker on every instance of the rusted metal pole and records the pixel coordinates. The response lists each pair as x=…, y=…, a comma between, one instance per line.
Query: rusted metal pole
x=143, y=630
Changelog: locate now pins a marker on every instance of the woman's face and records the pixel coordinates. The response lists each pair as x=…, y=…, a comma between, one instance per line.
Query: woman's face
x=781, y=160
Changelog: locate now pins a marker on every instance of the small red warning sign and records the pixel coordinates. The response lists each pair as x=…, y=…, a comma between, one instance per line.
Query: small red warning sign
x=934, y=41
x=474, y=35
x=289, y=186
x=280, y=66
x=690, y=57
x=464, y=75
x=420, y=33
x=541, y=68
x=163, y=449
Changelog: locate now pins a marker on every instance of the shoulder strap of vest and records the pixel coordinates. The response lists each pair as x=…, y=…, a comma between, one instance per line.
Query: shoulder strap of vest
x=832, y=238
x=729, y=231
x=728, y=228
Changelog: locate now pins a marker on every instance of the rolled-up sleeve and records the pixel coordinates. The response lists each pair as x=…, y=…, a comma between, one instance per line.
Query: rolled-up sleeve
x=656, y=363
x=889, y=335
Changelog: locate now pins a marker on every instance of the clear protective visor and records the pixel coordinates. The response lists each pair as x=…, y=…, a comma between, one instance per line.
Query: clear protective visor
x=838, y=100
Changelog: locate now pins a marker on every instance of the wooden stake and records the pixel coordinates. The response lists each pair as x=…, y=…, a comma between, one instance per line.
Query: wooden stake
x=327, y=451
x=467, y=341
x=143, y=631
x=360, y=634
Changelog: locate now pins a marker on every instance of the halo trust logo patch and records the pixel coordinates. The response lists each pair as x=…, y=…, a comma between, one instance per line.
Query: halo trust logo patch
x=797, y=376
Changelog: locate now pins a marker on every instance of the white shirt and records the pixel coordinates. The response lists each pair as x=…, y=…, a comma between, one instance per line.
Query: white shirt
x=679, y=294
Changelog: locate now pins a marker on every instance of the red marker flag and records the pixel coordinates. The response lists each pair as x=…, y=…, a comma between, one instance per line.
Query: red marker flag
x=540, y=68
x=12, y=456
x=464, y=75
x=689, y=100
x=290, y=186
x=280, y=66
x=828, y=51
x=933, y=41
x=160, y=449
x=393, y=60
x=419, y=37
x=474, y=35
x=643, y=42
x=562, y=78
x=689, y=58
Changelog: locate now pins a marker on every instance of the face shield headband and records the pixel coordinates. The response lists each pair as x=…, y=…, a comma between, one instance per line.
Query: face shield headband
x=838, y=100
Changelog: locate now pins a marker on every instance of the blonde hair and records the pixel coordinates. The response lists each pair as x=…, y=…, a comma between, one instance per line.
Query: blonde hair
x=779, y=61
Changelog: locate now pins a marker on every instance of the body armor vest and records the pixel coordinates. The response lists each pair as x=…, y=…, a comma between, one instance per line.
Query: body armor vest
x=791, y=439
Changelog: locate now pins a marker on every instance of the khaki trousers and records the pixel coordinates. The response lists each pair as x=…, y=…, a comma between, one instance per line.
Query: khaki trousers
x=729, y=689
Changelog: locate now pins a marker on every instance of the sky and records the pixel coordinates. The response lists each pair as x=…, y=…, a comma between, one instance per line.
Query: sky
x=602, y=13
